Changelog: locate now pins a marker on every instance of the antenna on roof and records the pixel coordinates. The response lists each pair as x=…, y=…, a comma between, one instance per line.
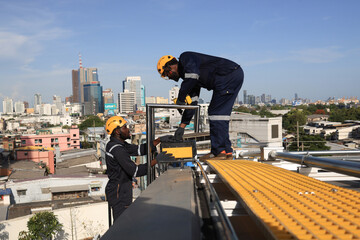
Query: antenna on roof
x=80, y=62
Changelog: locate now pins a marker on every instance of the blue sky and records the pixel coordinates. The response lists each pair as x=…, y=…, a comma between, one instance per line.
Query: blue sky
x=308, y=47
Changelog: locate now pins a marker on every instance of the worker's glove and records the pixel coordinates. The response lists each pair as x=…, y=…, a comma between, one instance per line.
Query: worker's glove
x=153, y=147
x=164, y=157
x=179, y=134
x=167, y=138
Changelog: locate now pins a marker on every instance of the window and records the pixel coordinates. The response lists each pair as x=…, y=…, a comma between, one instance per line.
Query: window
x=68, y=139
x=52, y=140
x=21, y=192
x=74, y=142
x=36, y=141
x=25, y=153
x=56, y=140
x=274, y=131
x=69, y=145
x=40, y=140
x=23, y=142
x=74, y=135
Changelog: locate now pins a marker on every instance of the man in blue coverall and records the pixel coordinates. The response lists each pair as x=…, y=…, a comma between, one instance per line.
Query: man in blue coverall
x=221, y=75
x=121, y=170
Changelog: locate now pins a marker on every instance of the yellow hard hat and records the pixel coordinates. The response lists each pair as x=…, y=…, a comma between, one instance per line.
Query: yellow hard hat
x=162, y=62
x=113, y=123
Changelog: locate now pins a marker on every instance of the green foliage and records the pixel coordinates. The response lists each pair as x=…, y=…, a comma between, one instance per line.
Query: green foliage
x=242, y=109
x=264, y=112
x=291, y=118
x=43, y=225
x=342, y=114
x=310, y=143
x=90, y=121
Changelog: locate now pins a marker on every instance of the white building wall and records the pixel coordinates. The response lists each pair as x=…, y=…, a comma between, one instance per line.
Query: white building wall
x=78, y=222
x=38, y=190
x=257, y=127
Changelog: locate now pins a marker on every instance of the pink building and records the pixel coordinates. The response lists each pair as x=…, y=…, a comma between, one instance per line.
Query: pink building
x=37, y=154
x=65, y=141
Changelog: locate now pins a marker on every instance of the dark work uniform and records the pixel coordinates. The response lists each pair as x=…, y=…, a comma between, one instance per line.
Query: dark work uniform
x=121, y=170
x=225, y=78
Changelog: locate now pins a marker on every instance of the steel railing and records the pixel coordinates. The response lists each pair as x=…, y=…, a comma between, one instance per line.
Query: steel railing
x=150, y=130
x=339, y=166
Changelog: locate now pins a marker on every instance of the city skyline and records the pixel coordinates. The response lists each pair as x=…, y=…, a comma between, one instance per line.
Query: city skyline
x=309, y=48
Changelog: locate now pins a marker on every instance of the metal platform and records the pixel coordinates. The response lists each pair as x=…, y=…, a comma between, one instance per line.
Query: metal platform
x=288, y=205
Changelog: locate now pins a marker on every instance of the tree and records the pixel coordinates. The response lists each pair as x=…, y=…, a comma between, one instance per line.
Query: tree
x=291, y=118
x=91, y=121
x=309, y=142
x=43, y=225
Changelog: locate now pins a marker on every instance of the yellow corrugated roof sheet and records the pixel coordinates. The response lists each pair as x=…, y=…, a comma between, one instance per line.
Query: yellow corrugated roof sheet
x=290, y=205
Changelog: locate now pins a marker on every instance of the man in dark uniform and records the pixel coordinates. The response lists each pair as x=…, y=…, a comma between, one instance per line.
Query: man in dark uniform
x=221, y=75
x=120, y=168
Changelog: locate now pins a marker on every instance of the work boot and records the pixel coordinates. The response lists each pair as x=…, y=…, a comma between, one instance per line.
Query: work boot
x=210, y=156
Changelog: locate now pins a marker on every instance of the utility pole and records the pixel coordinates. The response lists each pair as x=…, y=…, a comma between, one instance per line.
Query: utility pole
x=297, y=130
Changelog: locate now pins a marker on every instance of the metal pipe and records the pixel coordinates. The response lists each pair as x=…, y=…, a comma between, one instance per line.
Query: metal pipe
x=339, y=166
x=334, y=152
x=228, y=228
x=250, y=153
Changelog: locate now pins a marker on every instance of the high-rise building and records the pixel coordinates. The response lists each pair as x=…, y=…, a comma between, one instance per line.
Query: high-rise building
x=245, y=97
x=58, y=104
x=19, y=107
x=143, y=96
x=126, y=101
x=263, y=100
x=8, y=106
x=173, y=93
x=108, y=96
x=75, y=86
x=133, y=84
x=86, y=76
x=26, y=104
x=93, y=98
x=37, y=100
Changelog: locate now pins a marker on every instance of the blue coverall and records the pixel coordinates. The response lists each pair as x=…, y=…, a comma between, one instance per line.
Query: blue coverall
x=121, y=170
x=221, y=75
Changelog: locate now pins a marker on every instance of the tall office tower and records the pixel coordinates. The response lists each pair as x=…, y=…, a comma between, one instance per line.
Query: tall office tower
x=245, y=97
x=58, y=104
x=126, y=101
x=263, y=100
x=19, y=107
x=251, y=100
x=8, y=106
x=133, y=84
x=173, y=93
x=86, y=76
x=81, y=77
x=143, y=96
x=26, y=104
x=108, y=96
x=93, y=99
x=296, y=97
x=37, y=99
x=75, y=86
x=268, y=98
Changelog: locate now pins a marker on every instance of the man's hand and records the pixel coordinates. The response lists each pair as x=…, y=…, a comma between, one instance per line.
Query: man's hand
x=165, y=157
x=167, y=138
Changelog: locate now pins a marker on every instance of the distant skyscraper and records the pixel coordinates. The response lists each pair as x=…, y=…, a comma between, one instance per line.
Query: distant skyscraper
x=26, y=104
x=19, y=107
x=108, y=96
x=143, y=95
x=126, y=101
x=296, y=97
x=37, y=99
x=173, y=93
x=133, y=84
x=245, y=97
x=58, y=104
x=8, y=106
x=93, y=98
x=263, y=100
x=75, y=86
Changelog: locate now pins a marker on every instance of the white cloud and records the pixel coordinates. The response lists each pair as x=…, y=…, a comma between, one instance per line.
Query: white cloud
x=317, y=55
